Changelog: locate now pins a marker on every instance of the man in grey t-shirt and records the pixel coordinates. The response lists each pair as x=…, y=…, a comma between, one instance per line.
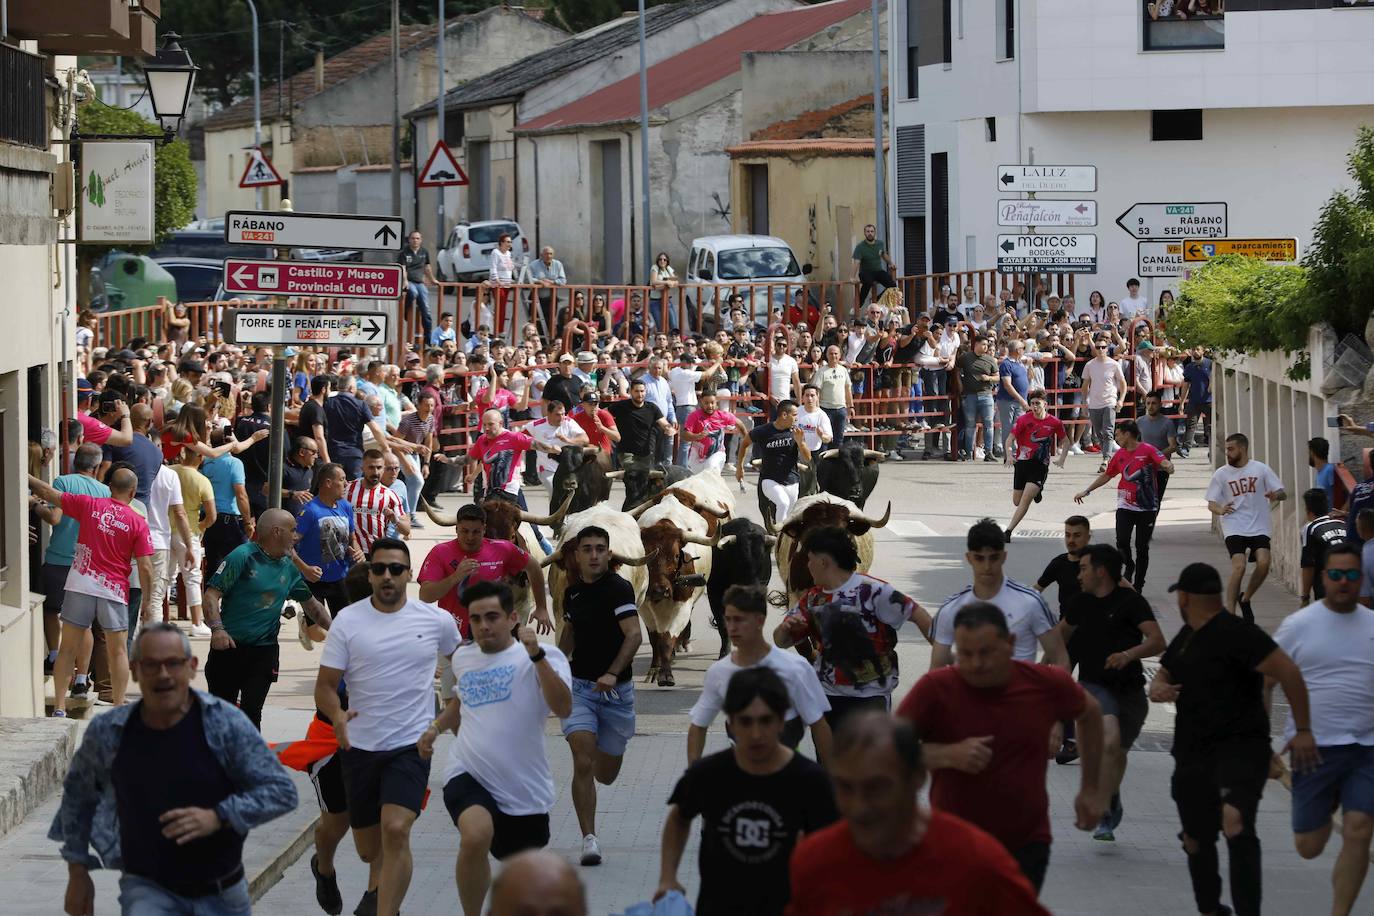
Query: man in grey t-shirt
x=1159, y=431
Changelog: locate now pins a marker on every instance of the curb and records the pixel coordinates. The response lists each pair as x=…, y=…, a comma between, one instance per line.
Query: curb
x=265, y=878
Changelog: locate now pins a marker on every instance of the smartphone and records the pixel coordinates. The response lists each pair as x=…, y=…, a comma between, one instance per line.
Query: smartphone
x=1333, y=422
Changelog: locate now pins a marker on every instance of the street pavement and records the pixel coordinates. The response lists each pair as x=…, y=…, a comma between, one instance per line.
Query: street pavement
x=921, y=552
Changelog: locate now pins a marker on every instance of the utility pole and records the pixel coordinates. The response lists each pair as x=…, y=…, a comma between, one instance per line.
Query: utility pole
x=396, y=107
x=439, y=232
x=257, y=90
x=879, y=164
x=644, y=150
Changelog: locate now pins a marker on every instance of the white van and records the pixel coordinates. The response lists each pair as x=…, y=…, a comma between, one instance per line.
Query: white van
x=761, y=268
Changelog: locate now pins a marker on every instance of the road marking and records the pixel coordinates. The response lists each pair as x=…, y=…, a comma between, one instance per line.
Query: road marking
x=911, y=529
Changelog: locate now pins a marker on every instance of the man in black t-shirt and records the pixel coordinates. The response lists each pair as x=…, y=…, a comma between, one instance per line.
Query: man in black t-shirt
x=1063, y=572
x=564, y=386
x=782, y=445
x=755, y=800
x=311, y=421
x=1115, y=629
x=636, y=420
x=258, y=456
x=1213, y=672
x=600, y=637
x=1319, y=534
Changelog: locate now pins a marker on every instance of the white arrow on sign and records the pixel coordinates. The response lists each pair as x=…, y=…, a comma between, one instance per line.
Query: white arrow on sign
x=242, y=274
x=313, y=230
x=1175, y=221
x=1059, y=179
x=1066, y=252
x=1047, y=214
x=265, y=328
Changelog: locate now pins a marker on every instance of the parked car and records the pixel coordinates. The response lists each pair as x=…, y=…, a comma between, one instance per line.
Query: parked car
x=763, y=266
x=199, y=280
x=466, y=253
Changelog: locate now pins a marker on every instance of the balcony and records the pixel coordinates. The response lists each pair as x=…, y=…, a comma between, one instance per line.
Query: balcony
x=23, y=104
x=87, y=26
x=1183, y=25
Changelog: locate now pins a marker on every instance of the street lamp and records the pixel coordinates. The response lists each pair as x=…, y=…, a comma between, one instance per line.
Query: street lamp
x=171, y=75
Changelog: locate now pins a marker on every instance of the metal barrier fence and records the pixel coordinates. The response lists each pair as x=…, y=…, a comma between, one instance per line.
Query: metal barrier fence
x=117, y=328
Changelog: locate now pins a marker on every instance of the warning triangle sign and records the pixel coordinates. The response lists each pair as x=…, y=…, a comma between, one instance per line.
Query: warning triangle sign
x=441, y=169
x=258, y=172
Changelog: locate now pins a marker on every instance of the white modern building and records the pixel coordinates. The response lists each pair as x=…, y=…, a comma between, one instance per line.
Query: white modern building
x=1255, y=107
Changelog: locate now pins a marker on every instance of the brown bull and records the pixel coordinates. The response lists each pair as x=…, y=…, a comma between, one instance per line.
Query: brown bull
x=822, y=511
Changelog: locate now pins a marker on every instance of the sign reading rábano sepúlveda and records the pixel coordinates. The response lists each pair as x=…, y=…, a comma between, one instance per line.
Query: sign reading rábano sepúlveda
x=116, y=191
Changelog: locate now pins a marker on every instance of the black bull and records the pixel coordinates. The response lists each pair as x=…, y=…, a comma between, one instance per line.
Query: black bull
x=849, y=472
x=742, y=556
x=580, y=473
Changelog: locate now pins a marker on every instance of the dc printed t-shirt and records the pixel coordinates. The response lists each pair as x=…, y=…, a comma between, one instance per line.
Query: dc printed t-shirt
x=255, y=586
x=855, y=628
x=1244, y=488
x=495, y=560
x=1332, y=651
x=326, y=532
x=502, y=458
x=388, y=661
x=109, y=533
x=803, y=687
x=1028, y=616
x=750, y=825
x=501, y=743
x=545, y=433
x=956, y=870
x=369, y=510
x=1222, y=695
x=1036, y=439
x=714, y=425
x=1008, y=798
x=62, y=538
x=1138, y=488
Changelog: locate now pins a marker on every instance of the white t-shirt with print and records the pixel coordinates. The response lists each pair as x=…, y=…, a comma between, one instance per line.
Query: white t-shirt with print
x=813, y=425
x=1028, y=617
x=780, y=371
x=388, y=662
x=501, y=741
x=803, y=687
x=1333, y=652
x=1244, y=488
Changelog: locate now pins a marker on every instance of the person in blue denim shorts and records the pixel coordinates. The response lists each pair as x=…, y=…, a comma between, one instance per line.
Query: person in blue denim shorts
x=600, y=638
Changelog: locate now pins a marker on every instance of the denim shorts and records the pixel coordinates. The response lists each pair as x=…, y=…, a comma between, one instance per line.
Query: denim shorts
x=139, y=896
x=610, y=715
x=1346, y=774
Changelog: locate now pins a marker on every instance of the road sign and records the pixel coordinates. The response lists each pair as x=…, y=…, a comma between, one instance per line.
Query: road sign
x=1277, y=250
x=313, y=230
x=311, y=278
x=297, y=327
x=1047, y=214
x=1159, y=259
x=258, y=171
x=1047, y=178
x=1175, y=221
x=1070, y=253
x=441, y=169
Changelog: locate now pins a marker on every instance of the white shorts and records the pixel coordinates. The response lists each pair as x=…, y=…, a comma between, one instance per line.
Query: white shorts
x=783, y=496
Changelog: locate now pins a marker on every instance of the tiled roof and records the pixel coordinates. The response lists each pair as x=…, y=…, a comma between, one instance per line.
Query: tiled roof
x=700, y=66
x=851, y=118
x=805, y=147
x=514, y=80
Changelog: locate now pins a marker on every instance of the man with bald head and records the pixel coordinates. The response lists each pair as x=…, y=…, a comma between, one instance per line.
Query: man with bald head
x=537, y=883
x=110, y=534
x=500, y=452
x=142, y=453
x=243, y=605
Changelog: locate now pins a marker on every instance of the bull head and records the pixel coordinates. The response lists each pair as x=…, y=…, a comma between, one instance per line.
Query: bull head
x=725, y=542
x=868, y=454
x=550, y=520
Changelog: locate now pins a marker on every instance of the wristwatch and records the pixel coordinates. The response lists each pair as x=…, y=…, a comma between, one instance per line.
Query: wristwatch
x=539, y=656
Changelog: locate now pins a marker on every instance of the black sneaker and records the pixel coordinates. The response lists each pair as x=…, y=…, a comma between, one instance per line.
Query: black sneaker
x=48, y=665
x=326, y=889
x=1247, y=612
x=368, y=905
x=79, y=691
x=1068, y=752
x=1116, y=812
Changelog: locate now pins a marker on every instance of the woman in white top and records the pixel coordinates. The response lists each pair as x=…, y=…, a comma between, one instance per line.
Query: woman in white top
x=663, y=280
x=502, y=276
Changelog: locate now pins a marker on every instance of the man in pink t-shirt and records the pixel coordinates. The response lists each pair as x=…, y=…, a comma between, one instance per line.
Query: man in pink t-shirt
x=705, y=428
x=93, y=429
x=501, y=453
x=109, y=535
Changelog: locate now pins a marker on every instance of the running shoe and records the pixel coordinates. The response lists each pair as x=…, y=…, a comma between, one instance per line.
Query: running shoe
x=1075, y=449
x=306, y=642
x=1246, y=610
x=79, y=691
x=895, y=455
x=1068, y=752
x=591, y=850
x=1007, y=535
x=200, y=629
x=1115, y=812
x=415, y=522
x=326, y=889
x=48, y=665
x=368, y=905
x=1093, y=449
x=1104, y=831
x=59, y=714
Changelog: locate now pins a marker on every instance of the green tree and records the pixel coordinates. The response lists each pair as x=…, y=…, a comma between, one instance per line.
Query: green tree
x=1340, y=261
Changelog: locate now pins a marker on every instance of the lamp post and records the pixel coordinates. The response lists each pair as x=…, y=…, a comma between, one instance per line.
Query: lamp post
x=171, y=76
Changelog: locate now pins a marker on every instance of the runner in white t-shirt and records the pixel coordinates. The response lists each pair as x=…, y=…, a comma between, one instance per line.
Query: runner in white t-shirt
x=812, y=421
x=550, y=435
x=385, y=648
x=746, y=612
x=1028, y=617
x=1242, y=493
x=498, y=787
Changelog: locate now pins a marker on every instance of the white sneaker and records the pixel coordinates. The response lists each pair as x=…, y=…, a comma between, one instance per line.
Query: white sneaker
x=591, y=850
x=978, y=454
x=303, y=636
x=200, y=629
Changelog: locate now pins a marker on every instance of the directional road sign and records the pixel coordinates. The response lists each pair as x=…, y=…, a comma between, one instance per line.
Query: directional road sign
x=1047, y=214
x=441, y=169
x=1277, y=250
x=1175, y=221
x=313, y=230
x=1071, y=253
x=1159, y=259
x=296, y=327
x=1059, y=179
x=311, y=278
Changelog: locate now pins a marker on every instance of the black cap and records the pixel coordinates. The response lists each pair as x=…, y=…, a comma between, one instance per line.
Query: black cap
x=590, y=394
x=1198, y=579
x=191, y=365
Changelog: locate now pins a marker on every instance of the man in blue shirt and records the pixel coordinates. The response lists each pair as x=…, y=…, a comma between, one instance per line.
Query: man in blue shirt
x=325, y=526
x=1318, y=451
x=1197, y=398
x=142, y=454
x=1013, y=383
x=346, y=416
x=234, y=519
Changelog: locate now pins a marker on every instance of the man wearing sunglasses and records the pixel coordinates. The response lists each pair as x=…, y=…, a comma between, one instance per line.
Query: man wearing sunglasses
x=1104, y=391
x=385, y=646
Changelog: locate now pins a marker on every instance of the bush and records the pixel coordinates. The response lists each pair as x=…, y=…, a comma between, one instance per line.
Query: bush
x=1244, y=305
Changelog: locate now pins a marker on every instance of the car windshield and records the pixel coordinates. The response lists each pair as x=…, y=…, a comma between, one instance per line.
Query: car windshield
x=488, y=234
x=754, y=263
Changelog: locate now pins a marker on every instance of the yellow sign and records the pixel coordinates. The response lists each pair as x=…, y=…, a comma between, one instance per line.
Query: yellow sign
x=1278, y=250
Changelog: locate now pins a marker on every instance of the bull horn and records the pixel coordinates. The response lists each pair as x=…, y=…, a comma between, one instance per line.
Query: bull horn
x=770, y=540
x=870, y=453
x=555, y=557
x=771, y=528
x=880, y=523
x=657, y=475
x=726, y=541
x=699, y=539
x=634, y=561
x=640, y=509
x=590, y=450
x=443, y=521
x=831, y=453
x=615, y=475
x=549, y=520
x=755, y=462
x=803, y=467
x=713, y=512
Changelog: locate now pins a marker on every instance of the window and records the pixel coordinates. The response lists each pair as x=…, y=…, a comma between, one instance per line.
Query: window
x=1005, y=32
x=939, y=196
x=453, y=129
x=1183, y=25
x=991, y=124
x=913, y=73
x=947, y=33
x=1176, y=124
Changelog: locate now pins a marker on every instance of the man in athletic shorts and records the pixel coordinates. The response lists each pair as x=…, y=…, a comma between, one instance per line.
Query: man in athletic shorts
x=783, y=445
x=1032, y=439
x=1242, y=493
x=1137, y=496
x=498, y=787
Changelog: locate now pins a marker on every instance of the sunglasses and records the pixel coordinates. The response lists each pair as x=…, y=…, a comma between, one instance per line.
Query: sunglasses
x=1349, y=575
x=381, y=569
x=151, y=666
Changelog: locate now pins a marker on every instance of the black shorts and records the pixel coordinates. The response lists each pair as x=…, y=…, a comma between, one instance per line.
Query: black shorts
x=332, y=595
x=511, y=833
x=1237, y=544
x=329, y=785
x=376, y=778
x=54, y=585
x=1029, y=470
x=1129, y=706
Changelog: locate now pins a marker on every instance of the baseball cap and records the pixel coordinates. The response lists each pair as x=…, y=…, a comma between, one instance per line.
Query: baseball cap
x=1198, y=579
x=1145, y=345
x=590, y=394
x=84, y=388
x=192, y=365
x=565, y=358
x=412, y=357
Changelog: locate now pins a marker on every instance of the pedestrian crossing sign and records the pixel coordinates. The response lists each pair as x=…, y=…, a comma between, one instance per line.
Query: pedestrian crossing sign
x=258, y=171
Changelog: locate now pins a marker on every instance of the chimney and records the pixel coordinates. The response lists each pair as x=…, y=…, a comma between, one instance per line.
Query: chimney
x=319, y=71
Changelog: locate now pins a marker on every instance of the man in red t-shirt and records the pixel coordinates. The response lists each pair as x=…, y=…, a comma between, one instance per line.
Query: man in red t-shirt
x=989, y=725
x=500, y=452
x=1032, y=439
x=890, y=854
x=598, y=424
x=1137, y=496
